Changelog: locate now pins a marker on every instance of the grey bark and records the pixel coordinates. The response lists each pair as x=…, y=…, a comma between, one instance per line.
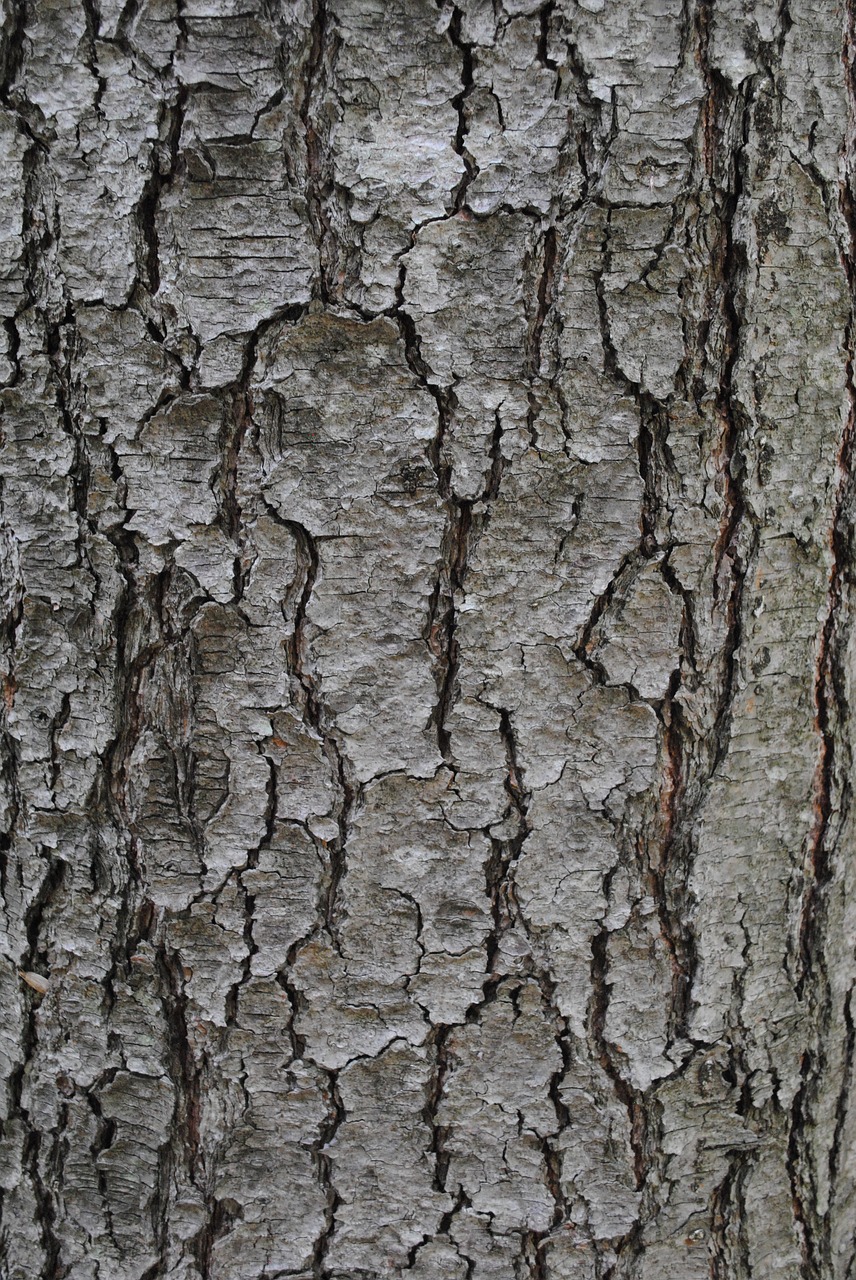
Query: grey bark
x=427, y=588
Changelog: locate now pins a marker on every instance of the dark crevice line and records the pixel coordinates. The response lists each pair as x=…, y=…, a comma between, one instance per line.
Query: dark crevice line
x=137, y=919
x=830, y=692
x=45, y=1201
x=623, y=1252
x=249, y=901
x=830, y=697
x=669, y=862
x=686, y=778
x=497, y=462
x=105, y=1134
x=833, y=786
x=238, y=424
x=167, y=162
x=546, y=284
x=440, y=631
x=223, y=1214
x=13, y=36
x=722, y=1209
x=439, y=1039
x=598, y=1005
x=310, y=701
x=127, y=19
x=32, y=1140
x=188, y=1077
x=589, y=134
x=167, y=165
x=499, y=876
x=459, y=102
x=324, y=1173
x=295, y=1000
x=656, y=852
x=505, y=912
x=844, y=1102
x=653, y=418
x=532, y=1254
x=13, y=347
x=218, y=1219
x=800, y=1179
x=685, y=785
x=441, y=625
x=319, y=181
x=315, y=714
x=552, y=1160
x=739, y=553
x=92, y=18
x=11, y=750
x=545, y=17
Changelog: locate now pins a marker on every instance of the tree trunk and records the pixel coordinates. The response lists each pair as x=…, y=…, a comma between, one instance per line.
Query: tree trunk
x=427, y=586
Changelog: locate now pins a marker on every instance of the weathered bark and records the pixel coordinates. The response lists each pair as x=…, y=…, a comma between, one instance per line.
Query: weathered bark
x=427, y=585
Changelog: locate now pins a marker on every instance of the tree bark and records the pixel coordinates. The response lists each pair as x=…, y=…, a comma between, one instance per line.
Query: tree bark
x=427, y=587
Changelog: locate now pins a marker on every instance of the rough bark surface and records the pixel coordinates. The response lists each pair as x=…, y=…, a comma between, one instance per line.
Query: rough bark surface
x=428, y=836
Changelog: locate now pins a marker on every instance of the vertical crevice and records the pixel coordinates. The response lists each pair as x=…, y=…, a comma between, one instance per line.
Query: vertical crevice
x=440, y=631
x=439, y=1039
x=545, y=17
x=12, y=37
x=598, y=1005
x=471, y=169
x=544, y=296
x=166, y=166
x=324, y=1172
x=188, y=1078
x=249, y=901
x=319, y=181
x=832, y=799
x=499, y=869
x=309, y=698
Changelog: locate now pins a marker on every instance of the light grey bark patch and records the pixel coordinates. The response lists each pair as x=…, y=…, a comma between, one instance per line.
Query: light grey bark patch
x=228, y=209
x=396, y=862
x=213, y=252
x=582, y=513
x=456, y=270
x=125, y=370
x=259, y=1125
x=13, y=150
x=642, y=291
x=597, y=1165
x=378, y=528
x=285, y=885
x=394, y=166
x=497, y=1110
x=382, y=1162
x=141, y=1107
x=169, y=466
x=517, y=117
x=637, y=641
x=641, y=64
x=636, y=1024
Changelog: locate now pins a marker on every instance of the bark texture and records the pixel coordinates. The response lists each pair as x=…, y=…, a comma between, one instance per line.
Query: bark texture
x=426, y=594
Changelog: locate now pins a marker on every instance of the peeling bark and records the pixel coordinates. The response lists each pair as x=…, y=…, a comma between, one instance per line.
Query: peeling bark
x=426, y=568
